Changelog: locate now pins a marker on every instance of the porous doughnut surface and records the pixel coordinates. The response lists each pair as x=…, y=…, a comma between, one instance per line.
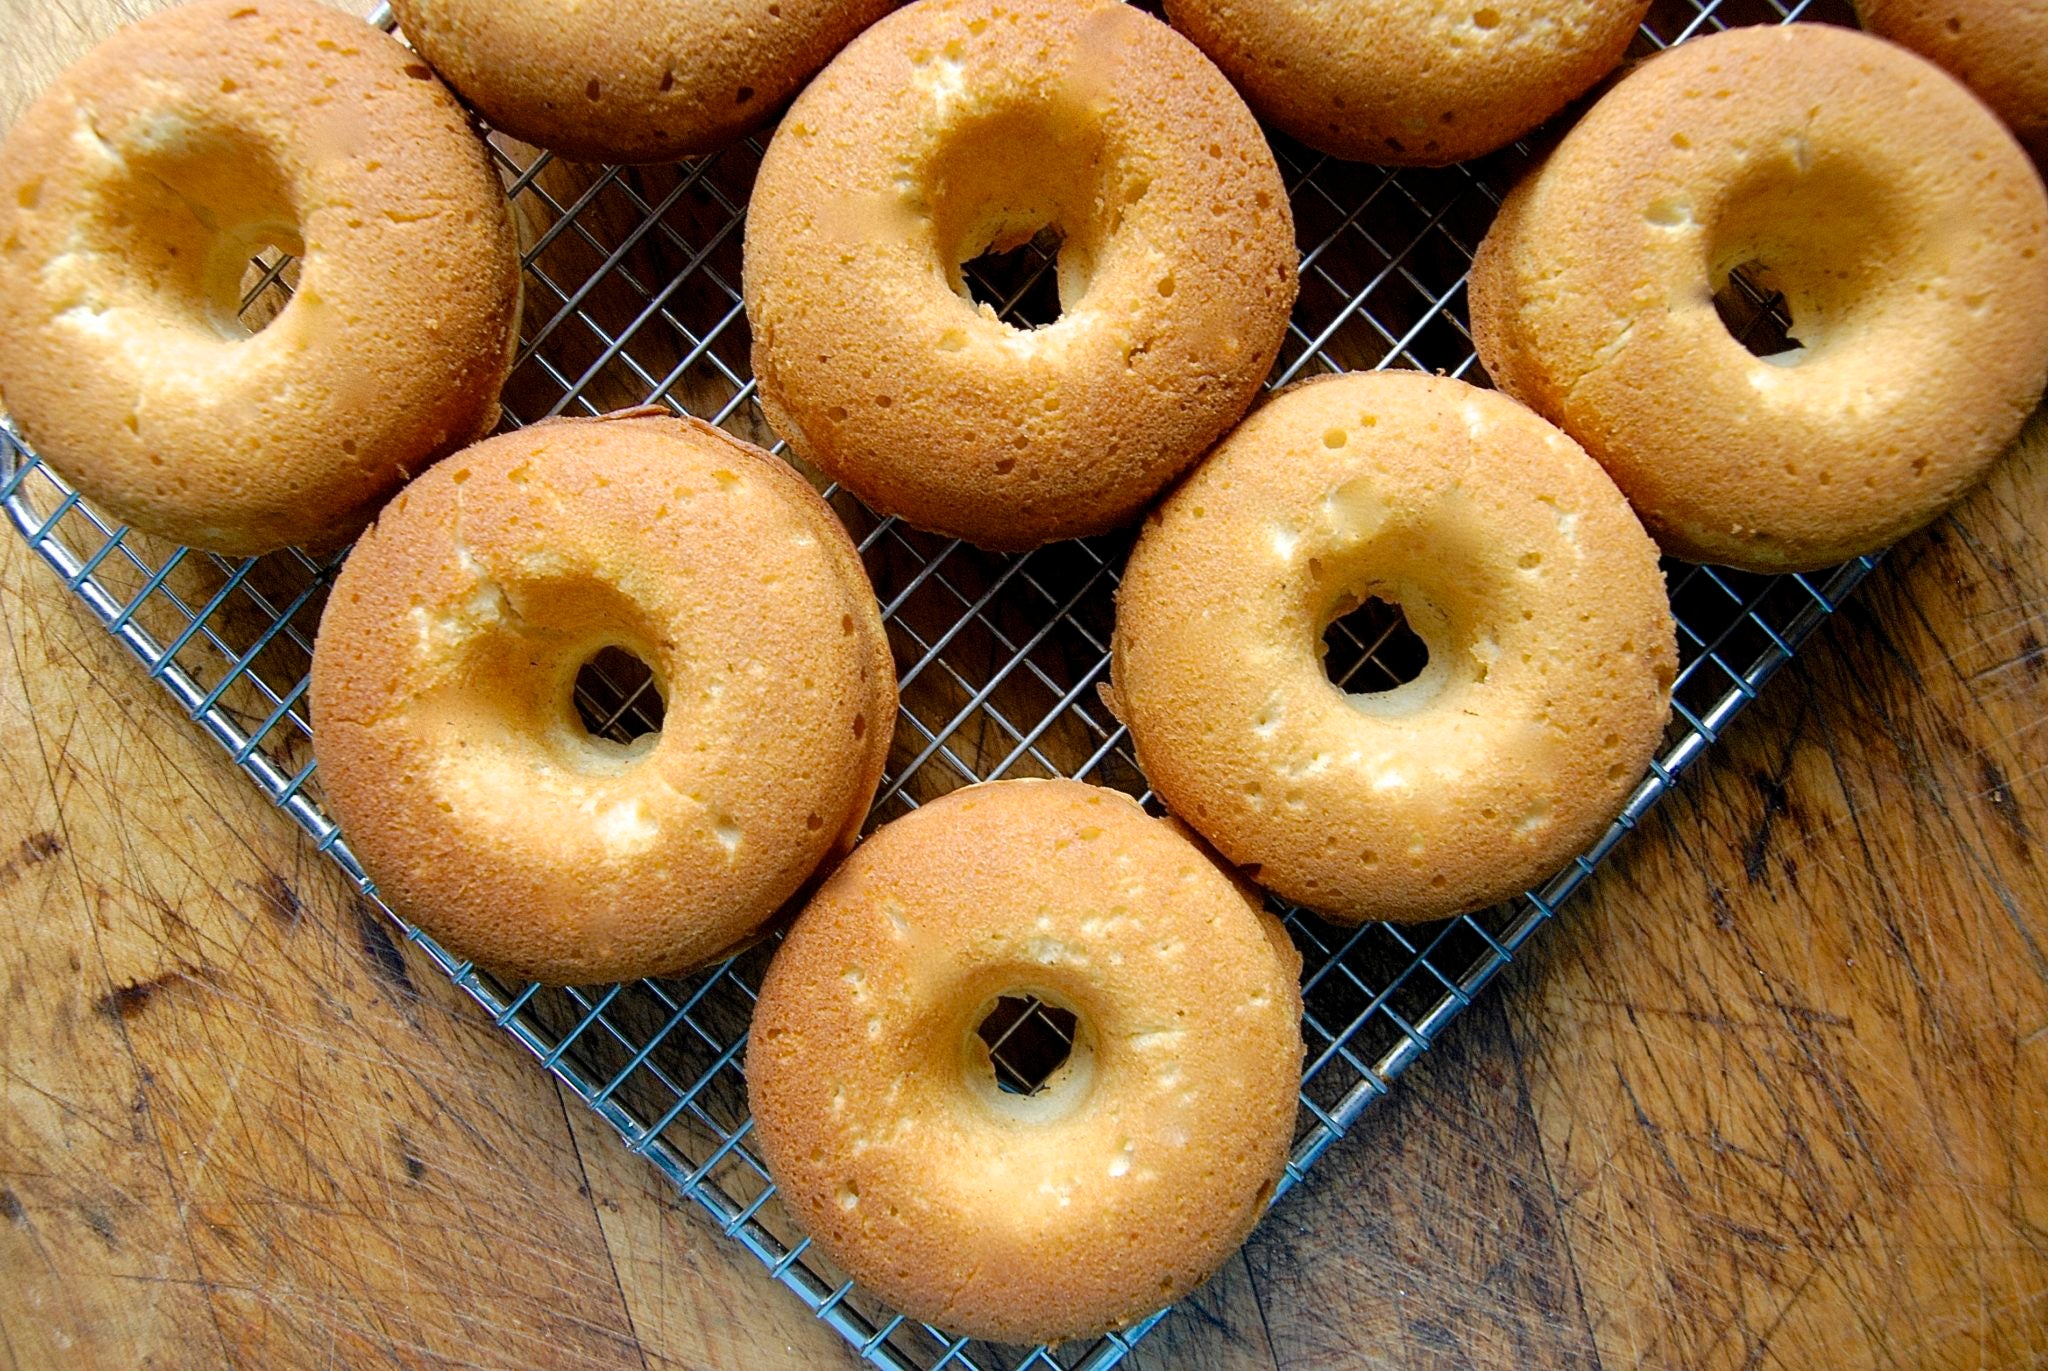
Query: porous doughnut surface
x=957, y=126
x=631, y=80
x=1144, y=1160
x=450, y=748
x=1551, y=650
x=132, y=195
x=1906, y=229
x=1998, y=48
x=1409, y=83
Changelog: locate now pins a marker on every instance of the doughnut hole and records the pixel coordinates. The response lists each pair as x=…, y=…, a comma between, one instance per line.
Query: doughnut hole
x=182, y=207
x=1752, y=309
x=1372, y=649
x=1021, y=285
x=1793, y=248
x=1029, y=1054
x=270, y=277
x=1013, y=187
x=617, y=697
x=1028, y=1041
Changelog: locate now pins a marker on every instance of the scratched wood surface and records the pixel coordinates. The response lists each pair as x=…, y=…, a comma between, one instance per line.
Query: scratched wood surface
x=1775, y=1093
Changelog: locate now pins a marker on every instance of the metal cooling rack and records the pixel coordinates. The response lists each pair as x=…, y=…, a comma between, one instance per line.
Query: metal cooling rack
x=632, y=297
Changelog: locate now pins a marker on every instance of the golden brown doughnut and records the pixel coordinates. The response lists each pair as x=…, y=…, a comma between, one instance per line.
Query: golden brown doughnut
x=1907, y=230
x=954, y=126
x=1998, y=48
x=454, y=760
x=631, y=80
x=132, y=194
x=1147, y=1156
x=1405, y=83
x=1551, y=650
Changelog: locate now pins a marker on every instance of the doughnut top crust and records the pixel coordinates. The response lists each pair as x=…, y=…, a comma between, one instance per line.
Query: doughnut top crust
x=1906, y=229
x=958, y=126
x=449, y=746
x=1409, y=83
x=1146, y=1158
x=1998, y=48
x=631, y=80
x=132, y=195
x=1551, y=648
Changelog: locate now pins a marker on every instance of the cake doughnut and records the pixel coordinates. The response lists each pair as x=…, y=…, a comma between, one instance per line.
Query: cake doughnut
x=1144, y=1159
x=1905, y=228
x=954, y=127
x=631, y=80
x=1509, y=553
x=1998, y=48
x=451, y=752
x=132, y=195
x=1409, y=84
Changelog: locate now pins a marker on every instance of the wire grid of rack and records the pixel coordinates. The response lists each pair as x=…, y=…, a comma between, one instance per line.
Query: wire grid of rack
x=632, y=298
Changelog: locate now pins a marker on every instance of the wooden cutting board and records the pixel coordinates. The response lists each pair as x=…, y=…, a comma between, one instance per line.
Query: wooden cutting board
x=1775, y=1092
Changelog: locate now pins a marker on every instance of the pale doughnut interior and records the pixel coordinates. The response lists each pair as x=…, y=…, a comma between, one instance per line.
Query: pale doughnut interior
x=174, y=219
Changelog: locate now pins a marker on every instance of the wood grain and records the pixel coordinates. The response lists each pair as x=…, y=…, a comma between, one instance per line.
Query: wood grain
x=1823, y=1071
x=1775, y=1092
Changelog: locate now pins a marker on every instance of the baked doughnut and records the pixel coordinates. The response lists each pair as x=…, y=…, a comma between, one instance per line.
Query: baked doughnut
x=1905, y=228
x=1405, y=83
x=1145, y=1158
x=1998, y=48
x=453, y=757
x=1513, y=558
x=957, y=126
x=132, y=195
x=631, y=80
